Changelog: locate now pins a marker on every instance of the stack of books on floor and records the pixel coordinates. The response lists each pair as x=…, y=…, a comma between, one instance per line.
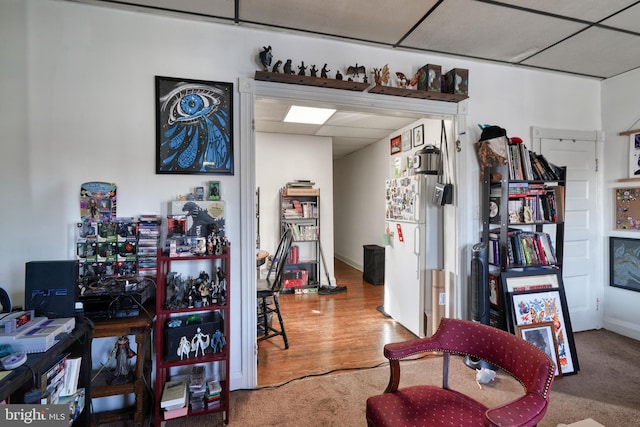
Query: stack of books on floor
x=214, y=391
x=197, y=388
x=174, y=399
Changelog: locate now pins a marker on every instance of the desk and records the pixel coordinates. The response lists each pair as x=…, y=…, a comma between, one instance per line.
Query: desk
x=78, y=342
x=140, y=327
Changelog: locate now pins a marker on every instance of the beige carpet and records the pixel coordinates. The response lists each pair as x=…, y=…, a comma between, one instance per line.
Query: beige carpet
x=607, y=389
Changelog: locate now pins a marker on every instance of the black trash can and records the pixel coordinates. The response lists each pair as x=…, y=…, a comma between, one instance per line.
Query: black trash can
x=373, y=264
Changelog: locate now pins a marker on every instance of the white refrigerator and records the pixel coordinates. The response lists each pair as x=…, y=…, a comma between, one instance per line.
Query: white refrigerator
x=413, y=250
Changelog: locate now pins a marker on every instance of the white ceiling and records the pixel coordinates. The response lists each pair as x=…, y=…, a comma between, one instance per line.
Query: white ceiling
x=592, y=38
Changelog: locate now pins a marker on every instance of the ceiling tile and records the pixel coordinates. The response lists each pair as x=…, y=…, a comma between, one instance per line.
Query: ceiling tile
x=629, y=20
x=380, y=21
x=595, y=52
x=587, y=10
x=218, y=8
x=470, y=28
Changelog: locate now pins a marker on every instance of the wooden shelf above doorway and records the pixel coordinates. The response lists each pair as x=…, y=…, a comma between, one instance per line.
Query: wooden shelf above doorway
x=357, y=86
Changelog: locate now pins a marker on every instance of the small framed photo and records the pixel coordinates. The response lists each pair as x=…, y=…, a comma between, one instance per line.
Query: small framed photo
x=396, y=144
x=542, y=336
x=214, y=190
x=522, y=281
x=406, y=140
x=418, y=135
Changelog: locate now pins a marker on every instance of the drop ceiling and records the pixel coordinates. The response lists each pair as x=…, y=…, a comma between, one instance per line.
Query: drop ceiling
x=591, y=38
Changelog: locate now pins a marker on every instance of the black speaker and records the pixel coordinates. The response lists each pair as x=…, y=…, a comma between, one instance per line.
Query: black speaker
x=51, y=288
x=479, y=296
x=478, y=284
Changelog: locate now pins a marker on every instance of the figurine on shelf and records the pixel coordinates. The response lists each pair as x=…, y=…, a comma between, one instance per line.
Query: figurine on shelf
x=418, y=79
x=314, y=71
x=184, y=347
x=265, y=57
x=402, y=79
x=287, y=67
x=175, y=291
x=218, y=342
x=276, y=67
x=381, y=76
x=324, y=71
x=356, y=70
x=200, y=341
x=222, y=286
x=302, y=69
x=338, y=75
x=123, y=373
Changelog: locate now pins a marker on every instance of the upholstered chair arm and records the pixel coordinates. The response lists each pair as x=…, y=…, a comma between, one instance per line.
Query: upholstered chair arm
x=400, y=350
x=525, y=411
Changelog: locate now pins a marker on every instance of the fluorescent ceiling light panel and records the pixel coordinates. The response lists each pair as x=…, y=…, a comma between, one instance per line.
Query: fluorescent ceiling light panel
x=308, y=115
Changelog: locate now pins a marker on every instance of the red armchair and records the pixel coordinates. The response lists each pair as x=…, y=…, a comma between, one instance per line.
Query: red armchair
x=428, y=405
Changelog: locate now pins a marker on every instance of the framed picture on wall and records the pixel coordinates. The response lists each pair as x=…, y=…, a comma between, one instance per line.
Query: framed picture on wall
x=418, y=135
x=396, y=144
x=406, y=140
x=624, y=263
x=634, y=155
x=194, y=126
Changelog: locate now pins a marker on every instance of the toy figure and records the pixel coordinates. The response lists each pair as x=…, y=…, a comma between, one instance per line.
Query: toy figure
x=265, y=57
x=287, y=67
x=314, y=71
x=338, y=75
x=276, y=67
x=484, y=376
x=324, y=71
x=184, y=348
x=218, y=341
x=302, y=69
x=200, y=341
x=123, y=373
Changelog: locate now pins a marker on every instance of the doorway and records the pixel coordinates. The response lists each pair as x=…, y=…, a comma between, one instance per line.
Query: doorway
x=249, y=91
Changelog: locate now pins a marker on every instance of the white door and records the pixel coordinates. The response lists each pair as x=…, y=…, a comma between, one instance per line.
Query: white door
x=581, y=263
x=403, y=285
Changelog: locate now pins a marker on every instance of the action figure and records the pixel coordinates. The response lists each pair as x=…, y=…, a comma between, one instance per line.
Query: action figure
x=200, y=341
x=287, y=67
x=276, y=67
x=314, y=71
x=218, y=342
x=184, y=348
x=324, y=71
x=265, y=57
x=338, y=75
x=302, y=69
x=123, y=351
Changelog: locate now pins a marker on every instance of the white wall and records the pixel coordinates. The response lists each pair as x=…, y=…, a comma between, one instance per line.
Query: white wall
x=283, y=158
x=619, y=113
x=78, y=105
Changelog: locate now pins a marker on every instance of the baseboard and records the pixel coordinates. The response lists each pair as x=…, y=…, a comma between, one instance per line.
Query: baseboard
x=623, y=328
x=350, y=262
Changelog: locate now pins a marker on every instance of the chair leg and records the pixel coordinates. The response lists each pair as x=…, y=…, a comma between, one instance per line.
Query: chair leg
x=283, y=332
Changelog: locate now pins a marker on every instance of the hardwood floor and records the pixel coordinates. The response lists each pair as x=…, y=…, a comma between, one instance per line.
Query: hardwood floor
x=329, y=332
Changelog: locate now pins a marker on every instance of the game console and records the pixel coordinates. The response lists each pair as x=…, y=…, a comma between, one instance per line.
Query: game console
x=38, y=335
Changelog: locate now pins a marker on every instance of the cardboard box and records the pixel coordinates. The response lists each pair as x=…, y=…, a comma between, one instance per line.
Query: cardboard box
x=456, y=81
x=295, y=279
x=430, y=81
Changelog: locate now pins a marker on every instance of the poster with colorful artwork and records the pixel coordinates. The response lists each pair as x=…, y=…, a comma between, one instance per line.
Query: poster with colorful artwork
x=548, y=306
x=634, y=155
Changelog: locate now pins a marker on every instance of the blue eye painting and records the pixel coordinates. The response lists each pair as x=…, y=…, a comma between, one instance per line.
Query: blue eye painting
x=194, y=126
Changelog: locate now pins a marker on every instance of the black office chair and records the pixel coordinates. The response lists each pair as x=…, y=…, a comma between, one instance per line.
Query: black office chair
x=268, y=290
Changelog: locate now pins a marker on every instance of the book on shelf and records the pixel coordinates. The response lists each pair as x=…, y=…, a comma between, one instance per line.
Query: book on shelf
x=71, y=376
x=174, y=393
x=169, y=414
